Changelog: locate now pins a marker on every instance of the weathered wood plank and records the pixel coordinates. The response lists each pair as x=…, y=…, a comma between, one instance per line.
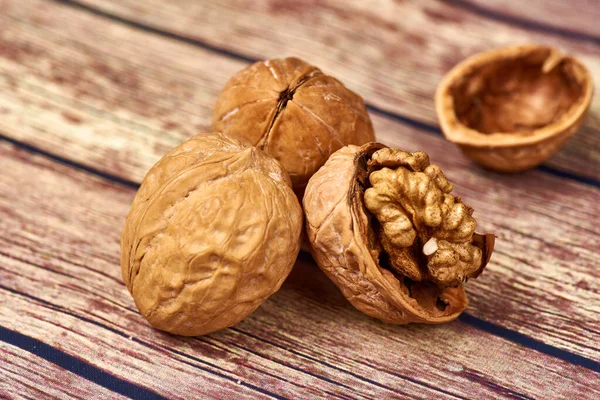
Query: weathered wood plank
x=60, y=92
x=60, y=275
x=92, y=289
x=130, y=352
x=24, y=375
x=82, y=108
x=575, y=18
x=89, y=90
x=395, y=64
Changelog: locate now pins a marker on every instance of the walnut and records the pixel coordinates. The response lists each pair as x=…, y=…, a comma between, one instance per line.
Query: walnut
x=294, y=112
x=213, y=231
x=511, y=108
x=384, y=226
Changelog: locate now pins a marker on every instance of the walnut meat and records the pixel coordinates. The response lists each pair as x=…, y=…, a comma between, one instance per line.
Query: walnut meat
x=384, y=226
x=294, y=112
x=213, y=231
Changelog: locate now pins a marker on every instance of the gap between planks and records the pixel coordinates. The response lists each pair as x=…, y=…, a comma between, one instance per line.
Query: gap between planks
x=133, y=184
x=74, y=364
x=28, y=375
x=407, y=71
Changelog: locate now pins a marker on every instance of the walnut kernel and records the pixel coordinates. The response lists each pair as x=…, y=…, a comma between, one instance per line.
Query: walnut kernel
x=383, y=225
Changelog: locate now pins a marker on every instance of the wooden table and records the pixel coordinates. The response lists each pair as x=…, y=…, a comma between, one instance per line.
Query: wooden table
x=93, y=92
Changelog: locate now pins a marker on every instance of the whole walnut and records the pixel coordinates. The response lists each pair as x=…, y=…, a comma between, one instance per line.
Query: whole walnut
x=294, y=112
x=213, y=231
x=383, y=225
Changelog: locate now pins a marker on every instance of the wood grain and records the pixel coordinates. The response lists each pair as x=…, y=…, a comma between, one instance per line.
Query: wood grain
x=59, y=272
x=116, y=82
x=99, y=105
x=26, y=376
x=75, y=94
x=395, y=64
x=578, y=19
x=105, y=97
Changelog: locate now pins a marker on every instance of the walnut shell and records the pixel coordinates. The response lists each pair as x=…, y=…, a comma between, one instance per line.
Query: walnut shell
x=384, y=227
x=511, y=108
x=294, y=112
x=213, y=231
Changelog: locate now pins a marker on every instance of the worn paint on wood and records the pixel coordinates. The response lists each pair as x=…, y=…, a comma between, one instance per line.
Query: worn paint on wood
x=578, y=19
x=60, y=276
x=394, y=52
x=122, y=137
x=190, y=86
x=100, y=107
x=25, y=375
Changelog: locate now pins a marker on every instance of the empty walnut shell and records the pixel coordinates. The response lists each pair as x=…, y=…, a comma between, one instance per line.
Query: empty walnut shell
x=510, y=109
x=294, y=112
x=384, y=227
x=213, y=231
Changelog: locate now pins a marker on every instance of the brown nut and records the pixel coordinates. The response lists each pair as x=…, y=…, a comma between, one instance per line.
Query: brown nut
x=294, y=112
x=213, y=231
x=510, y=109
x=383, y=225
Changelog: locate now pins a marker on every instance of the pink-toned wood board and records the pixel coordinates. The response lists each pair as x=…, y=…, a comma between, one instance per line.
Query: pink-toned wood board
x=392, y=52
x=93, y=93
x=61, y=277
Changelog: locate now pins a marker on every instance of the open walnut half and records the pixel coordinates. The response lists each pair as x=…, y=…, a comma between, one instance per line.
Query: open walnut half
x=385, y=228
x=511, y=108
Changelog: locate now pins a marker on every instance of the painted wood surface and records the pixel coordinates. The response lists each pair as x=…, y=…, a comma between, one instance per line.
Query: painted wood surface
x=577, y=18
x=29, y=376
x=410, y=44
x=105, y=117
x=61, y=280
x=193, y=85
x=92, y=95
